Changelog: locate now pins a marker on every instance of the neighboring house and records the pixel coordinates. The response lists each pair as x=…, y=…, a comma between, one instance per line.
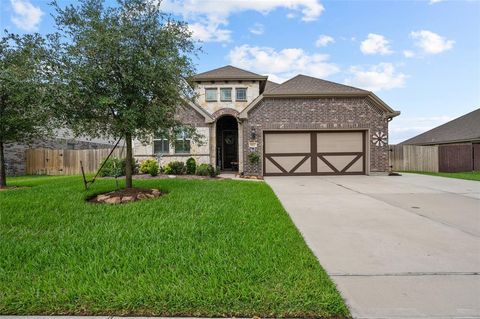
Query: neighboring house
x=304, y=126
x=458, y=143
x=462, y=130
x=15, y=152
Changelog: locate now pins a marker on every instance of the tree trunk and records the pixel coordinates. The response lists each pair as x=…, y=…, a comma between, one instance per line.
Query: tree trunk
x=3, y=173
x=128, y=161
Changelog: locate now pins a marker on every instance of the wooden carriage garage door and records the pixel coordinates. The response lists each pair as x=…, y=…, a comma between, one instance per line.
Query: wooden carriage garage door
x=314, y=153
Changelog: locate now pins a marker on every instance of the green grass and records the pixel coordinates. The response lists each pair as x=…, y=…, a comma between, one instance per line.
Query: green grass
x=207, y=248
x=473, y=176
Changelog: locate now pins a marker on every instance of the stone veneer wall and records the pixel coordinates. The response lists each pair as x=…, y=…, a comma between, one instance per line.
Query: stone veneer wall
x=313, y=114
x=15, y=152
x=201, y=153
x=253, y=90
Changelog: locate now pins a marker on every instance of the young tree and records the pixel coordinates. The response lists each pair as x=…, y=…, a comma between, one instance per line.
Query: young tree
x=124, y=70
x=24, y=98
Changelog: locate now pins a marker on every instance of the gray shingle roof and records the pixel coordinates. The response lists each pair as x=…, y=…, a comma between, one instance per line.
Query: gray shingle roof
x=307, y=85
x=463, y=128
x=270, y=86
x=228, y=72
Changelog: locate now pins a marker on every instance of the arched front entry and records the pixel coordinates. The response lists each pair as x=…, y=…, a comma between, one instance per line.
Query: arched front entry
x=227, y=143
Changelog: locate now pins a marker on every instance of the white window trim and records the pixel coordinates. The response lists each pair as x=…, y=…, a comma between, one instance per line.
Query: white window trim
x=216, y=94
x=225, y=89
x=236, y=97
x=185, y=138
x=161, y=139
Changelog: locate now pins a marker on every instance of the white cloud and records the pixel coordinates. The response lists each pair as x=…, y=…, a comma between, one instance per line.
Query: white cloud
x=434, y=1
x=430, y=42
x=26, y=16
x=375, y=44
x=408, y=53
x=210, y=31
x=324, y=40
x=283, y=64
x=257, y=29
x=403, y=128
x=212, y=15
x=382, y=76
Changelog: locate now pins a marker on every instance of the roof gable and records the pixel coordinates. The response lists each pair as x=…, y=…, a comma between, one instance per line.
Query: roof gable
x=270, y=86
x=228, y=72
x=307, y=86
x=463, y=128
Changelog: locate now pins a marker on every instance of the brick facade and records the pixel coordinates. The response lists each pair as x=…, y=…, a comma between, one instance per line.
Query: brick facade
x=15, y=152
x=226, y=111
x=188, y=115
x=317, y=114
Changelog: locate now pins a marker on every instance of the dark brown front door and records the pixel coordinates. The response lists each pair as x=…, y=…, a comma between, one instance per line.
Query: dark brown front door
x=229, y=149
x=314, y=153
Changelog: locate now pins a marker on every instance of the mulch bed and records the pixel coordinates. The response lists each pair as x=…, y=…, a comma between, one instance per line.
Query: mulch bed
x=126, y=195
x=163, y=176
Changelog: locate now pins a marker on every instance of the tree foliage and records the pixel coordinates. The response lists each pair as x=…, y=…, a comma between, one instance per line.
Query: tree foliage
x=122, y=70
x=25, y=99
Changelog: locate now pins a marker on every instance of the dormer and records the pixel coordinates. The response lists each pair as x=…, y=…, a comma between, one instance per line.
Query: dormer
x=227, y=87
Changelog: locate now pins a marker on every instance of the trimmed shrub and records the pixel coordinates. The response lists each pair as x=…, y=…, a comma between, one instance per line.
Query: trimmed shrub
x=174, y=168
x=166, y=169
x=206, y=170
x=254, y=158
x=149, y=166
x=113, y=167
x=191, y=166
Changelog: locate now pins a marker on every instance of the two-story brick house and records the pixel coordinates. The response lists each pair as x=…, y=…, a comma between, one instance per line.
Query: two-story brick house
x=304, y=126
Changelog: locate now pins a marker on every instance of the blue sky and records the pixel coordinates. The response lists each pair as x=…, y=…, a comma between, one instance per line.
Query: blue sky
x=420, y=57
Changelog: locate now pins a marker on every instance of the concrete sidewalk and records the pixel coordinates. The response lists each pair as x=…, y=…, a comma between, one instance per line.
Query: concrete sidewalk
x=396, y=247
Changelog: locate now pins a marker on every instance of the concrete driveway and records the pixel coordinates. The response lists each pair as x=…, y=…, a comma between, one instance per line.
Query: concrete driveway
x=396, y=246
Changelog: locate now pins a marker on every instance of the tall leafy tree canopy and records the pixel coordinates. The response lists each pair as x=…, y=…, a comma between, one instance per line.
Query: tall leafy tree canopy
x=25, y=99
x=122, y=70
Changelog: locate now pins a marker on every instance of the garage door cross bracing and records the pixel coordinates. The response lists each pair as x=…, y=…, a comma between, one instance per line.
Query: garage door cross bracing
x=314, y=153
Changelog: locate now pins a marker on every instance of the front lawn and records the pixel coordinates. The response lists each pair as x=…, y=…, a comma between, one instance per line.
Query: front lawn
x=473, y=176
x=207, y=248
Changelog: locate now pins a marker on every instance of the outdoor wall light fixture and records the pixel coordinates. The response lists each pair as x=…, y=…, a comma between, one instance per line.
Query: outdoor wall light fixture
x=253, y=134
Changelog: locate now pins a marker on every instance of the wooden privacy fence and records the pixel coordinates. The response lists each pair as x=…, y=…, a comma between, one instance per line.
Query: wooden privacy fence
x=414, y=158
x=66, y=162
x=443, y=158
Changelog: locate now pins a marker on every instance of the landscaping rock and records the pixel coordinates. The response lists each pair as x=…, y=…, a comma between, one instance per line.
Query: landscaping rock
x=102, y=198
x=126, y=199
x=127, y=195
x=113, y=200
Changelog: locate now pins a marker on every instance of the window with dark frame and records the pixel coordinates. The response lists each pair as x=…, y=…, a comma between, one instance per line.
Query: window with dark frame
x=161, y=144
x=211, y=95
x=241, y=94
x=225, y=94
x=182, y=143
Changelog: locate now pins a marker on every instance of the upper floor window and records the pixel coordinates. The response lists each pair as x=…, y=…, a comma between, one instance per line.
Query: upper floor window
x=161, y=144
x=211, y=95
x=241, y=94
x=225, y=94
x=182, y=143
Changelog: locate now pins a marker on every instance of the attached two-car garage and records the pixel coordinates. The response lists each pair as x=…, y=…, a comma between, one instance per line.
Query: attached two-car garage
x=314, y=153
